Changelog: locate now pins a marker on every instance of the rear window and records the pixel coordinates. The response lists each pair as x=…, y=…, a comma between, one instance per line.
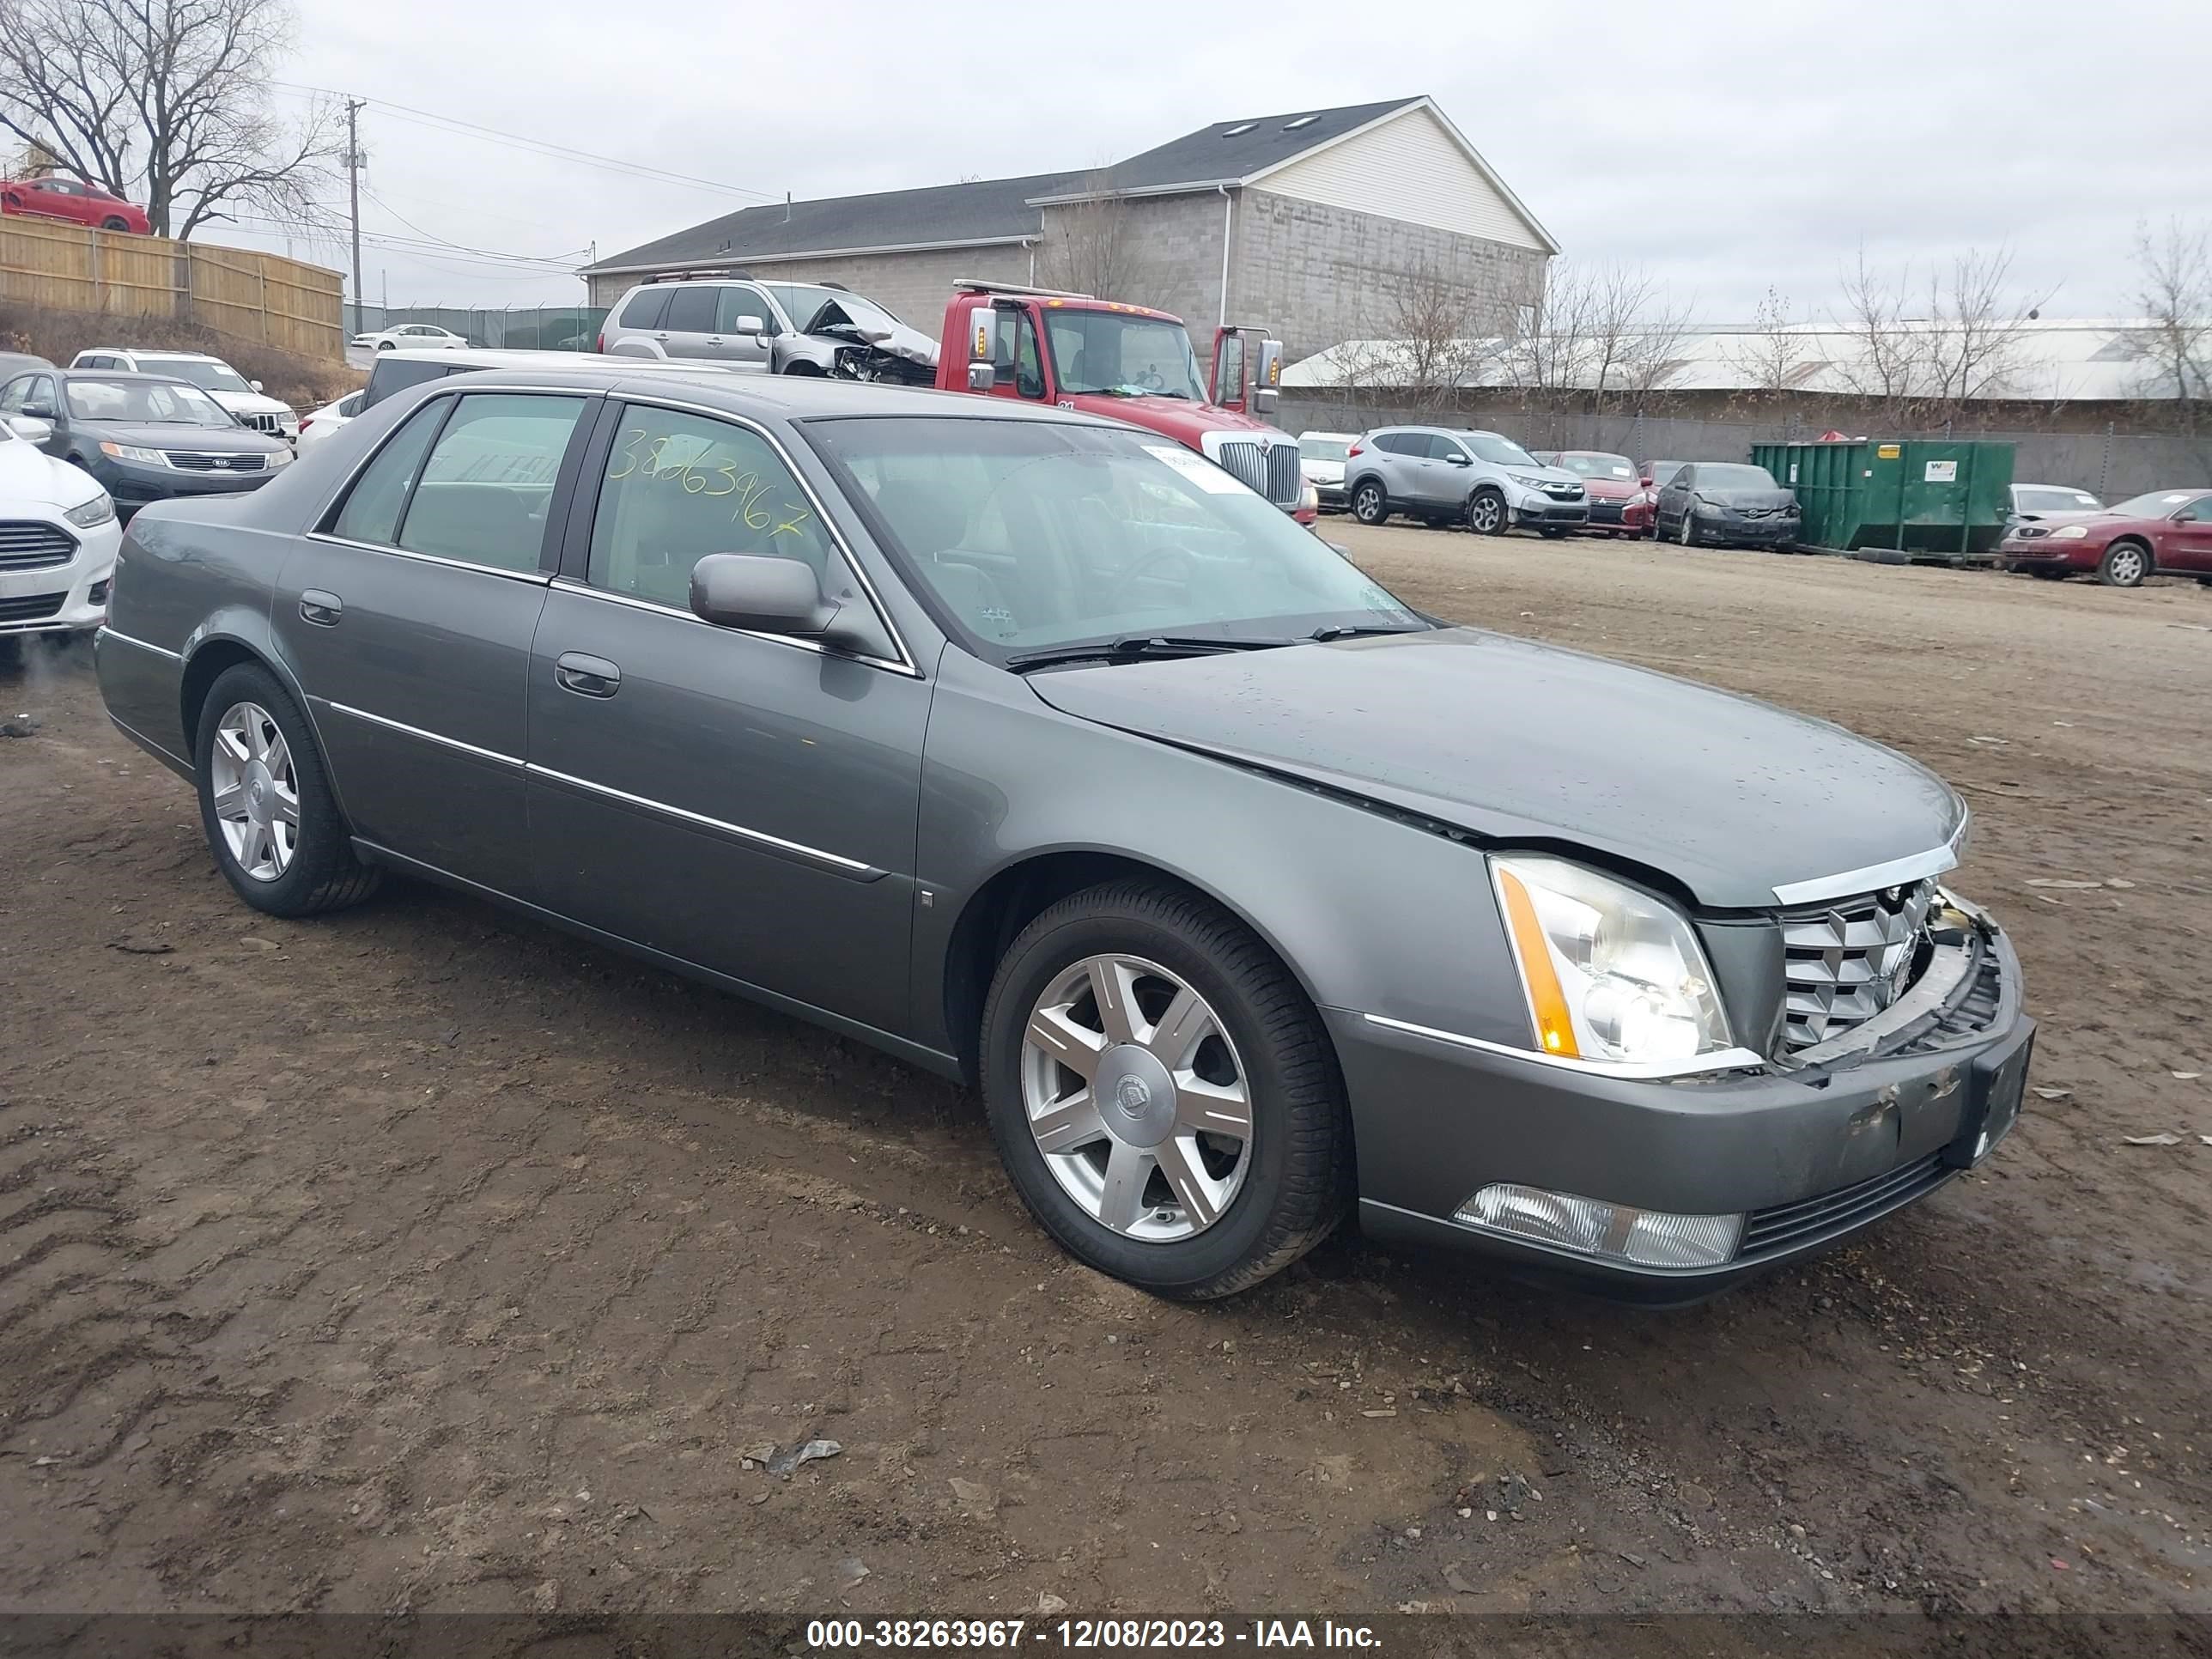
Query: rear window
x=393, y=375
x=645, y=310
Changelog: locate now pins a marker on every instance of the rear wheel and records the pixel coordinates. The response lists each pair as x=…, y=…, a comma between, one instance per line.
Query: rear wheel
x=2124, y=565
x=1162, y=1092
x=1368, y=504
x=265, y=801
x=1485, y=513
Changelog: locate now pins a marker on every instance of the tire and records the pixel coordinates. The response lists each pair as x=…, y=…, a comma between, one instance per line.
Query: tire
x=383, y=345
x=112, y=222
x=1369, y=503
x=1686, y=532
x=320, y=871
x=2125, y=564
x=1552, y=535
x=1487, y=515
x=1281, y=1188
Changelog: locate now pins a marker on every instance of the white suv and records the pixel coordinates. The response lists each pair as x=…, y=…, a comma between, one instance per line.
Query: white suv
x=241, y=396
x=1482, y=479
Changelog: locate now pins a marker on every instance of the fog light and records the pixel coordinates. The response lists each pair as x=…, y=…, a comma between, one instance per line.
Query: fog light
x=1647, y=1238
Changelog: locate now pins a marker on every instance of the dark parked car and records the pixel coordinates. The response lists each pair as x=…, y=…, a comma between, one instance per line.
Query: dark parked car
x=1040, y=753
x=146, y=437
x=2168, y=532
x=1725, y=504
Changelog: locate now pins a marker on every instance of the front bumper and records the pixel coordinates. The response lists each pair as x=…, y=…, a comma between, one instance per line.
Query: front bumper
x=133, y=486
x=1808, y=1156
x=1542, y=512
x=1632, y=514
x=2041, y=552
x=64, y=598
x=1747, y=532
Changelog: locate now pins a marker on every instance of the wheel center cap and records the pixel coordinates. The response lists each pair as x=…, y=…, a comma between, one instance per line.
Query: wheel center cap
x=260, y=792
x=1136, y=1095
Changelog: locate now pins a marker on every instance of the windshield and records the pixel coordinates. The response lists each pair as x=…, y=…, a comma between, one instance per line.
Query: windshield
x=215, y=377
x=1122, y=355
x=802, y=302
x=2029, y=499
x=1591, y=466
x=1325, y=449
x=1710, y=477
x=2159, y=504
x=1502, y=451
x=1034, y=534
x=145, y=402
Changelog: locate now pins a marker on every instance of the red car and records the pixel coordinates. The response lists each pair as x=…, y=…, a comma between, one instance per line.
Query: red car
x=1620, y=505
x=2168, y=532
x=57, y=196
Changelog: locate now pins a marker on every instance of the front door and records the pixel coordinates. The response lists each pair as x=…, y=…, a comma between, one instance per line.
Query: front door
x=743, y=802
x=742, y=318
x=2187, y=544
x=407, y=618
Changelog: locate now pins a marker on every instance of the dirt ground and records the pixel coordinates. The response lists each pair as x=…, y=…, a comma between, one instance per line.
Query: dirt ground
x=418, y=1258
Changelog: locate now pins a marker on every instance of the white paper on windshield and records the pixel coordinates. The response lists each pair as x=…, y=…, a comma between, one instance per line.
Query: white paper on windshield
x=1200, y=471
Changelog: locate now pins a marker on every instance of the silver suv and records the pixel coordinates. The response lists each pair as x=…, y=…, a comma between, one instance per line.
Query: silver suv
x=772, y=328
x=1481, y=479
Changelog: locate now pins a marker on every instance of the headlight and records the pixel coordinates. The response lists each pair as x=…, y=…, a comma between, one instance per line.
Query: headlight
x=85, y=515
x=2069, y=532
x=133, y=452
x=1308, y=497
x=1525, y=481
x=1610, y=973
x=279, y=458
x=1711, y=509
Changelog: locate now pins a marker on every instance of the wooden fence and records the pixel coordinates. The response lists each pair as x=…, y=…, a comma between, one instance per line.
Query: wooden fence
x=235, y=291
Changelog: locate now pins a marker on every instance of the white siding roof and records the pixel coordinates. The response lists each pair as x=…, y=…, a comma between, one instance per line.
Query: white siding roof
x=1408, y=166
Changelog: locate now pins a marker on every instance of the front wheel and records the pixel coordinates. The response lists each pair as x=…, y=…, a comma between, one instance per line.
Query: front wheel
x=1162, y=1092
x=266, y=805
x=1485, y=513
x=1688, y=535
x=383, y=345
x=2124, y=565
x=113, y=223
x=1368, y=504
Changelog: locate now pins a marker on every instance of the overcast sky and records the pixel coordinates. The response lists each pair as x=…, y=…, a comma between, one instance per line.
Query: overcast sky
x=1726, y=144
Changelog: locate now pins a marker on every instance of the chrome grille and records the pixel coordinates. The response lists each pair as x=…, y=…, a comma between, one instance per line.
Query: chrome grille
x=272, y=424
x=32, y=546
x=1271, y=469
x=1848, y=959
x=200, y=460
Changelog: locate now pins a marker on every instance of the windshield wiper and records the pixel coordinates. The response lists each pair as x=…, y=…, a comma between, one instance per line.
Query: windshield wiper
x=1350, y=630
x=1138, y=646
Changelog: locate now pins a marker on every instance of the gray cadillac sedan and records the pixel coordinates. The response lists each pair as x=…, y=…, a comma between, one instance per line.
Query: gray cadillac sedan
x=1044, y=754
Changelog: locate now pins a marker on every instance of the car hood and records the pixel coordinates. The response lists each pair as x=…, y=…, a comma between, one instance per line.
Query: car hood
x=1324, y=471
x=1522, y=743
x=1745, y=495
x=250, y=403
x=28, y=473
x=1612, y=489
x=217, y=439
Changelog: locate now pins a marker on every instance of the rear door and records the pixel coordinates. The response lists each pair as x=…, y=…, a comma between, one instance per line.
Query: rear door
x=408, y=615
x=744, y=802
x=688, y=324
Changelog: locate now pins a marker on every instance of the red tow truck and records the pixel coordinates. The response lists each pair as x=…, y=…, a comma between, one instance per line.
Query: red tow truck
x=1128, y=363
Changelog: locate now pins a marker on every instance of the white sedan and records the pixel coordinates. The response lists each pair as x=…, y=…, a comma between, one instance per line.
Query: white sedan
x=318, y=424
x=57, y=537
x=414, y=337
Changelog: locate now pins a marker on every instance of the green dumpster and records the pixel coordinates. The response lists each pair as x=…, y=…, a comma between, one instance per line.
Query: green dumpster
x=1931, y=498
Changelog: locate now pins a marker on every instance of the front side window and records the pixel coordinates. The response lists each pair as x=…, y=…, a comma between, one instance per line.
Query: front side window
x=145, y=402
x=2198, y=512
x=734, y=304
x=1034, y=534
x=1014, y=356
x=1441, y=448
x=679, y=486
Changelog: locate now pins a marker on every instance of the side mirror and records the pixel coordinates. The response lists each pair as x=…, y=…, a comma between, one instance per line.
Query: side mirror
x=31, y=429
x=1458, y=458
x=981, y=377
x=751, y=325
x=253, y=385
x=1268, y=379
x=769, y=596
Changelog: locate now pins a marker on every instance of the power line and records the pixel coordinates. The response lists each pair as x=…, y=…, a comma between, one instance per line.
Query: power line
x=494, y=135
x=430, y=235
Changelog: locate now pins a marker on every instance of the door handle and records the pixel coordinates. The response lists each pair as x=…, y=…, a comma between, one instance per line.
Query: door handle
x=587, y=677
x=321, y=609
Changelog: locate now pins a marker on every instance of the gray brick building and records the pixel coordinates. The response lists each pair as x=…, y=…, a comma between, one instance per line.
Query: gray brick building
x=1320, y=224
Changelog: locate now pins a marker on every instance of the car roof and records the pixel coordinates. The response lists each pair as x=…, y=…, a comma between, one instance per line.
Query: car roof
x=1347, y=436
x=496, y=357
x=782, y=397
x=75, y=374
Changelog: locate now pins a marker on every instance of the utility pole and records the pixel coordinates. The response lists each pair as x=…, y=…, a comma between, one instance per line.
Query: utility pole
x=352, y=190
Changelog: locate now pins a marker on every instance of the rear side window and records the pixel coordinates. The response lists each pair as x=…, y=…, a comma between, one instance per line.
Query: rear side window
x=691, y=311
x=483, y=493
x=645, y=310
x=372, y=509
x=1400, y=443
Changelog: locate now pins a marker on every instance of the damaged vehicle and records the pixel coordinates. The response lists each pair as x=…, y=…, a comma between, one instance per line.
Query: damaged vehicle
x=770, y=328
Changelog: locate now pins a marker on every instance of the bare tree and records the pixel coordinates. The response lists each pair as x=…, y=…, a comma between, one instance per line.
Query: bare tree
x=1438, y=326
x=1600, y=330
x=1091, y=245
x=1881, y=361
x=1772, y=357
x=166, y=98
x=2173, y=295
x=1966, y=338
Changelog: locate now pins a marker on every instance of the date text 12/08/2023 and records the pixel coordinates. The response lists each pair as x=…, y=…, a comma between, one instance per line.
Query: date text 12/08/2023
x=833, y=1635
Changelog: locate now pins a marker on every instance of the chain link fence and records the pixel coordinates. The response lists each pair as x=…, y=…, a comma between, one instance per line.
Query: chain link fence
x=512, y=328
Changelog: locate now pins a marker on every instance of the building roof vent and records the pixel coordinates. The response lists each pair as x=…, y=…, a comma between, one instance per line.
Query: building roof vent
x=1241, y=126
x=1302, y=121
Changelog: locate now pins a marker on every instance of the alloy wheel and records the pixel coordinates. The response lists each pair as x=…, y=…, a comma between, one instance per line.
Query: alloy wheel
x=1483, y=513
x=1137, y=1098
x=256, y=791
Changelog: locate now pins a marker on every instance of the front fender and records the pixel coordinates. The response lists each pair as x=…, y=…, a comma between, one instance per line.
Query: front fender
x=1370, y=910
